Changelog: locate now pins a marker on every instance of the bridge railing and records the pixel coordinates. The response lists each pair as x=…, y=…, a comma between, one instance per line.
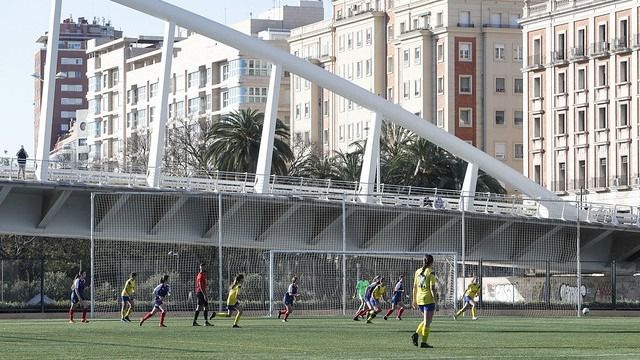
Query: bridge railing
x=325, y=189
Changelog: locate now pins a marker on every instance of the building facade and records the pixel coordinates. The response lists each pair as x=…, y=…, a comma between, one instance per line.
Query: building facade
x=581, y=88
x=456, y=64
x=208, y=79
x=71, y=86
x=72, y=149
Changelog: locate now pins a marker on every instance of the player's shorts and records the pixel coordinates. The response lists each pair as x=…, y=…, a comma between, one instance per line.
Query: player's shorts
x=396, y=299
x=157, y=302
x=427, y=307
x=126, y=298
x=235, y=306
x=74, y=298
x=374, y=303
x=288, y=299
x=467, y=299
x=201, y=299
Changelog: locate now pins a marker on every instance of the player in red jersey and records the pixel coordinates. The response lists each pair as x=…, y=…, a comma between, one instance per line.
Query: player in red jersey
x=201, y=294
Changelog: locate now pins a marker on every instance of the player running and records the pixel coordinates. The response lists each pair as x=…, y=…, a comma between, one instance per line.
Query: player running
x=127, y=298
x=472, y=291
x=159, y=294
x=77, y=296
x=289, y=298
x=233, y=305
x=361, y=288
x=201, y=295
x=377, y=297
x=366, y=298
x=396, y=299
x=425, y=296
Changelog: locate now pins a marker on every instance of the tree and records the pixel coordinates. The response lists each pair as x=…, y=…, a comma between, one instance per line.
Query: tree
x=187, y=144
x=235, y=143
x=137, y=150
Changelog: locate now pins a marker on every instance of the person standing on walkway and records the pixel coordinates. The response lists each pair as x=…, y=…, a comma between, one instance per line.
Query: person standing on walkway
x=22, y=161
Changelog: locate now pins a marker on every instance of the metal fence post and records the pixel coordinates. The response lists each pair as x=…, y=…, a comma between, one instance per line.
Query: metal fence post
x=547, y=284
x=614, y=284
x=220, y=285
x=344, y=257
x=42, y=285
x=93, y=254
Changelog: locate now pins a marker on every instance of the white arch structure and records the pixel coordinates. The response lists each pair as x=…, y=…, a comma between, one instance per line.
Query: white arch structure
x=282, y=60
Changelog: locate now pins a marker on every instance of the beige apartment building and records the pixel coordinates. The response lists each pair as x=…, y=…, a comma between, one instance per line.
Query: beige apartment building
x=581, y=88
x=208, y=79
x=456, y=64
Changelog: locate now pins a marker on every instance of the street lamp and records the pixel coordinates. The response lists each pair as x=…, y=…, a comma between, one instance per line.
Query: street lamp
x=60, y=75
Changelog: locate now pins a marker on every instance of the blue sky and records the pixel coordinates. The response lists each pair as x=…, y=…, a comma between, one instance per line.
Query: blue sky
x=22, y=22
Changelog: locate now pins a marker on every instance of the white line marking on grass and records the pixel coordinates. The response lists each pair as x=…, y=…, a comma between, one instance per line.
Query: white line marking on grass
x=474, y=357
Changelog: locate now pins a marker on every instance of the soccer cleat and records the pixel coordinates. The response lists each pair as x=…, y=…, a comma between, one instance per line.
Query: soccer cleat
x=71, y=321
x=162, y=325
x=455, y=318
x=356, y=319
x=474, y=318
x=195, y=324
x=385, y=317
x=425, y=346
x=213, y=314
x=398, y=318
x=123, y=320
x=127, y=318
x=414, y=339
x=84, y=321
x=236, y=326
x=208, y=324
x=369, y=321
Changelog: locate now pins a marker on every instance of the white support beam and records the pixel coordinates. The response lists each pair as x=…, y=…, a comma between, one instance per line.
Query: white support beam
x=48, y=93
x=393, y=112
x=170, y=213
x=156, y=151
x=4, y=193
x=468, y=192
x=54, y=208
x=265, y=155
x=370, y=159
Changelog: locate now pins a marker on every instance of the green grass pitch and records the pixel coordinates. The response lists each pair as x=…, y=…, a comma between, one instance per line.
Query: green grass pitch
x=324, y=338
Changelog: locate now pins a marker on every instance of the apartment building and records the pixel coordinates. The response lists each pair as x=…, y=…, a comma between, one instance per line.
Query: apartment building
x=71, y=86
x=208, y=79
x=72, y=149
x=456, y=64
x=581, y=88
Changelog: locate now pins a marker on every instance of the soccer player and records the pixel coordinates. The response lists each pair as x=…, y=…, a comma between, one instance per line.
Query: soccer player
x=361, y=288
x=377, y=297
x=425, y=296
x=289, y=298
x=127, y=298
x=366, y=299
x=159, y=293
x=77, y=296
x=201, y=294
x=472, y=291
x=233, y=305
x=396, y=299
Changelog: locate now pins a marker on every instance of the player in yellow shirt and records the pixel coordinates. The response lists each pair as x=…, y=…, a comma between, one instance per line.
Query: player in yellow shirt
x=233, y=305
x=472, y=291
x=377, y=296
x=425, y=296
x=127, y=298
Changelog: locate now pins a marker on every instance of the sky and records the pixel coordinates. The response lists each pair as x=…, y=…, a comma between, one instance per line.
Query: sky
x=22, y=22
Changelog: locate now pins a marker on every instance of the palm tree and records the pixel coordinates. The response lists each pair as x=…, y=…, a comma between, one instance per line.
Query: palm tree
x=235, y=143
x=348, y=165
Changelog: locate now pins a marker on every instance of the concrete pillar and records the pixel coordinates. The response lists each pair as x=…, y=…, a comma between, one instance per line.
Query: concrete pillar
x=156, y=150
x=263, y=169
x=48, y=93
x=469, y=187
x=371, y=157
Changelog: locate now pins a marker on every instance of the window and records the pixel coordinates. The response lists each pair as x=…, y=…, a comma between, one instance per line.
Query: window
x=560, y=47
x=440, y=52
x=71, y=61
x=517, y=118
x=495, y=19
x=359, y=38
x=499, y=117
x=440, y=118
x=537, y=174
x=624, y=171
x=64, y=127
x=368, y=36
x=561, y=127
x=518, y=151
x=417, y=56
x=624, y=72
x=307, y=110
x=359, y=69
x=561, y=86
x=623, y=35
x=581, y=42
x=389, y=32
x=341, y=132
x=142, y=116
x=623, y=115
x=153, y=89
x=142, y=93
x=536, y=87
x=582, y=80
x=465, y=84
x=71, y=88
x=390, y=94
x=602, y=173
x=350, y=41
x=389, y=64
x=417, y=84
x=325, y=108
x=439, y=19
x=82, y=142
x=466, y=119
x=367, y=67
x=500, y=149
x=297, y=112
x=325, y=136
x=498, y=52
x=602, y=117
x=464, y=52
x=464, y=18
x=602, y=75
x=500, y=85
x=562, y=176
x=68, y=114
x=72, y=101
x=193, y=105
x=402, y=28
x=115, y=77
x=517, y=86
x=405, y=58
x=581, y=121
x=582, y=174
x=441, y=85
x=537, y=127
x=152, y=114
x=405, y=89
x=517, y=53
x=602, y=33
x=537, y=52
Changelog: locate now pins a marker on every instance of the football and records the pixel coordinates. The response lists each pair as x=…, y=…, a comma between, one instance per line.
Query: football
x=585, y=311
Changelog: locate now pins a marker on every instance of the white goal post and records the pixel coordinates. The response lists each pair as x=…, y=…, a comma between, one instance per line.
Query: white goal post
x=327, y=279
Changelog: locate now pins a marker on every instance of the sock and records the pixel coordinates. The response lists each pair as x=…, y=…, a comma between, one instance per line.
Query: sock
x=420, y=328
x=195, y=317
x=122, y=313
x=389, y=313
x=146, y=316
x=459, y=312
x=222, y=314
x=129, y=311
x=286, y=315
x=206, y=315
x=400, y=311
x=84, y=313
x=162, y=315
x=425, y=334
x=71, y=313
x=474, y=312
x=235, y=321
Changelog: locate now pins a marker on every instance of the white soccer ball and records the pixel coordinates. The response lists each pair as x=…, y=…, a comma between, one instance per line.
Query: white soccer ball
x=585, y=311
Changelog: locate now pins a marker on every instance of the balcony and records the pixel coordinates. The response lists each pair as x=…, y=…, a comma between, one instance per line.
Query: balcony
x=581, y=138
x=581, y=97
x=602, y=94
x=503, y=26
x=537, y=105
x=560, y=100
x=623, y=90
x=624, y=133
x=602, y=136
x=466, y=25
x=561, y=141
x=535, y=62
x=599, y=49
x=537, y=145
x=620, y=45
x=578, y=54
x=559, y=57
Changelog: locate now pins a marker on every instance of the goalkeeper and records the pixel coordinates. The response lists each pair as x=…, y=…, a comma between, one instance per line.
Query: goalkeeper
x=361, y=289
